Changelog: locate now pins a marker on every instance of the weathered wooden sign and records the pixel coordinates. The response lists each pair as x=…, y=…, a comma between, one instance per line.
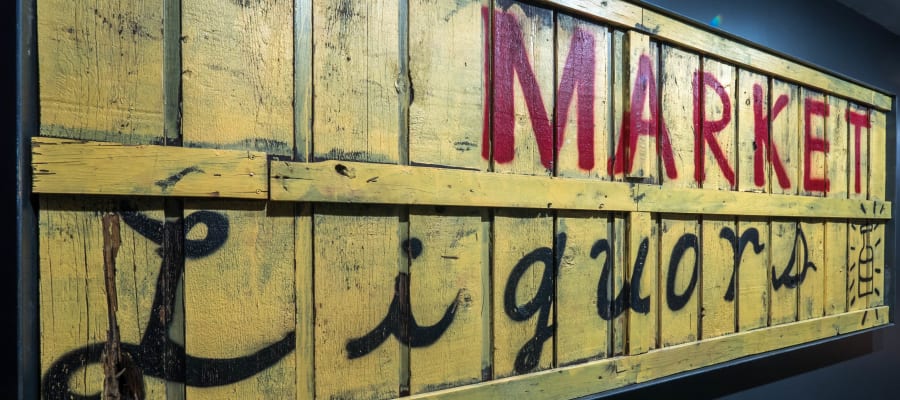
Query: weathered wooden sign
x=469, y=199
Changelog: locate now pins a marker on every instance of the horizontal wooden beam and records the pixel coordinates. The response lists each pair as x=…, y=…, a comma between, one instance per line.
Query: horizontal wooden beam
x=598, y=376
x=67, y=166
x=353, y=182
x=672, y=30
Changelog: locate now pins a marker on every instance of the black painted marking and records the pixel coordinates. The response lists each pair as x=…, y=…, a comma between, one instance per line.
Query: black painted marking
x=158, y=355
x=166, y=184
x=606, y=308
x=863, y=207
x=792, y=281
x=678, y=301
x=750, y=236
x=865, y=314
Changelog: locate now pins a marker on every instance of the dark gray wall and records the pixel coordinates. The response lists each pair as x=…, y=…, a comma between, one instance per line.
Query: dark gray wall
x=867, y=366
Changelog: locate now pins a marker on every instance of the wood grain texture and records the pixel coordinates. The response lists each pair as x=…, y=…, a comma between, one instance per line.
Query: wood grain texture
x=580, y=380
x=618, y=93
x=679, y=321
x=63, y=166
x=446, y=119
x=584, y=141
x=837, y=166
x=304, y=283
x=877, y=191
x=239, y=299
x=237, y=60
x=640, y=154
x=811, y=302
x=101, y=68
x=356, y=76
x=753, y=277
x=785, y=136
x=643, y=315
x=72, y=297
x=861, y=268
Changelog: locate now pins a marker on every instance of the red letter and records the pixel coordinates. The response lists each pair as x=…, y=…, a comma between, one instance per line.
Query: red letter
x=707, y=132
x=511, y=59
x=761, y=130
x=813, y=107
x=859, y=121
x=638, y=126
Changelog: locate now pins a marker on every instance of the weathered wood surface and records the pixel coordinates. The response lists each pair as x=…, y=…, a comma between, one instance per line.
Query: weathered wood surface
x=63, y=166
x=606, y=193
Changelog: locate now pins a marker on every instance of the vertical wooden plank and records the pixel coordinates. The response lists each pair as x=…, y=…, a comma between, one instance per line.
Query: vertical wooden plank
x=239, y=55
x=101, y=72
x=523, y=240
x=679, y=310
x=877, y=191
x=355, y=73
x=582, y=110
x=642, y=256
x=240, y=298
x=836, y=166
x=447, y=58
x=811, y=303
x=523, y=272
x=618, y=94
x=719, y=130
x=641, y=146
x=582, y=74
x=751, y=290
x=861, y=270
x=784, y=175
x=74, y=313
x=101, y=65
x=446, y=121
x=357, y=250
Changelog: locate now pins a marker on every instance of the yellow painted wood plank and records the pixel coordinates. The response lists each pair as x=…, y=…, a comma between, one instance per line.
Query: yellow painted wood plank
x=751, y=291
x=355, y=72
x=718, y=313
x=445, y=127
x=349, y=182
x=680, y=284
x=239, y=296
x=360, y=106
x=585, y=300
x=523, y=35
x=357, y=251
x=305, y=306
x=692, y=201
x=582, y=379
x=84, y=167
x=584, y=240
x=446, y=294
x=677, y=73
x=74, y=312
x=101, y=70
x=523, y=273
x=861, y=266
x=811, y=302
x=784, y=138
x=679, y=273
x=752, y=116
x=719, y=126
x=447, y=59
x=671, y=29
x=877, y=191
x=622, y=13
x=582, y=81
x=640, y=154
x=618, y=98
x=620, y=266
x=238, y=62
x=837, y=168
x=303, y=79
x=642, y=249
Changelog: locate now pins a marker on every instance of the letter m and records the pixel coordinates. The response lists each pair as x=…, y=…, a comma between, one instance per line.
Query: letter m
x=511, y=61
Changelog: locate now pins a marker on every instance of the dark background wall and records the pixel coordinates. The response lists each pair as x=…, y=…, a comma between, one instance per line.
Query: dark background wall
x=831, y=35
